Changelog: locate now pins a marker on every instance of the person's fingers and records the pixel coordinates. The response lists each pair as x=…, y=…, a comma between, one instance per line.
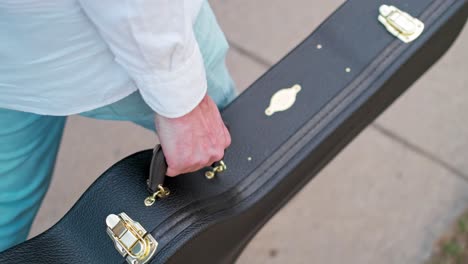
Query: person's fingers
x=227, y=137
x=183, y=166
x=194, y=141
x=172, y=172
x=218, y=138
x=215, y=157
x=222, y=133
x=190, y=163
x=205, y=160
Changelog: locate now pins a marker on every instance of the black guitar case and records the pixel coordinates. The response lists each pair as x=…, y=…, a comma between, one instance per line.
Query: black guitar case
x=286, y=127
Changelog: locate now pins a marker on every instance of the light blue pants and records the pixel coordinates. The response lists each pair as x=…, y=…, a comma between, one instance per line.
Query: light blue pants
x=29, y=142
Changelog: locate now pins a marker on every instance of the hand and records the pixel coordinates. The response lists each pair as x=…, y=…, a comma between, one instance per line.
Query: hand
x=195, y=140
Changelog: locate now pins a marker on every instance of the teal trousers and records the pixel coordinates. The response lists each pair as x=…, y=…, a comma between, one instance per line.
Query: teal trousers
x=29, y=142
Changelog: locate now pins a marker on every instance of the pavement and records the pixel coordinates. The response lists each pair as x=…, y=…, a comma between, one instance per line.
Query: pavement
x=385, y=199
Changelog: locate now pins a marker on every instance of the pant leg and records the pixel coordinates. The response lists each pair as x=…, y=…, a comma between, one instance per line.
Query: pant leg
x=213, y=47
x=28, y=148
x=221, y=88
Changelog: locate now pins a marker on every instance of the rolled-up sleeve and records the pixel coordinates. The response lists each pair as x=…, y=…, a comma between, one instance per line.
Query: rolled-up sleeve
x=154, y=41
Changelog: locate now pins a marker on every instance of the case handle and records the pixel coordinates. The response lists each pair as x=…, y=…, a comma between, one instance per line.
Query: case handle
x=157, y=173
x=158, y=169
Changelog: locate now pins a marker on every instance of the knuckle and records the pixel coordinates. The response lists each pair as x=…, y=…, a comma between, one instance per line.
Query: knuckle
x=173, y=171
x=228, y=141
x=203, y=162
x=218, y=155
x=197, y=161
x=214, y=154
x=178, y=167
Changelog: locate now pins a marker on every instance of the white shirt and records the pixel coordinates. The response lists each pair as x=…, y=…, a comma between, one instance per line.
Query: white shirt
x=63, y=57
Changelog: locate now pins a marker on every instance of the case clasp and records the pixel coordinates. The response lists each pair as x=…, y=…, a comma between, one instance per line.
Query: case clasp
x=130, y=238
x=400, y=24
x=217, y=168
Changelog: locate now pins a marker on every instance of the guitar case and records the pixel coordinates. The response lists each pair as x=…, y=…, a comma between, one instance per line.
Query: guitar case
x=285, y=128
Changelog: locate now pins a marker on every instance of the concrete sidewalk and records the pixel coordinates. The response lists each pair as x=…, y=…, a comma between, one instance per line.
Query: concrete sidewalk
x=385, y=199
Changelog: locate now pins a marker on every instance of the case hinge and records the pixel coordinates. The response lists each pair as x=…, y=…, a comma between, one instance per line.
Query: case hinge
x=130, y=239
x=400, y=24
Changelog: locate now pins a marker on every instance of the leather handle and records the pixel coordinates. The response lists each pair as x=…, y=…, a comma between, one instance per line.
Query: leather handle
x=158, y=169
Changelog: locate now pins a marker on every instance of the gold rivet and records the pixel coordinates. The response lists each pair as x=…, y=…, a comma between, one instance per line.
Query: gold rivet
x=149, y=201
x=209, y=175
x=319, y=46
x=348, y=69
x=249, y=158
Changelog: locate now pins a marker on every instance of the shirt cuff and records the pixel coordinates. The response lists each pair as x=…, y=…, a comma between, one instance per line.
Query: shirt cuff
x=176, y=93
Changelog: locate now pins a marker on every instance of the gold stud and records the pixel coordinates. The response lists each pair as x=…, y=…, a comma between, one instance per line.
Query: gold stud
x=348, y=69
x=209, y=175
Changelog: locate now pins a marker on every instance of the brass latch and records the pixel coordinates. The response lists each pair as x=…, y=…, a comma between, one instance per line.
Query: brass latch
x=218, y=168
x=400, y=24
x=130, y=239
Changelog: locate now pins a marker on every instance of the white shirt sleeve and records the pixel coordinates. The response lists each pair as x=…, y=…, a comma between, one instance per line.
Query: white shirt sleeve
x=154, y=41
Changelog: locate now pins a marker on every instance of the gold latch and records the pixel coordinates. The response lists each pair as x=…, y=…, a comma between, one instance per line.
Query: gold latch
x=400, y=24
x=221, y=167
x=130, y=239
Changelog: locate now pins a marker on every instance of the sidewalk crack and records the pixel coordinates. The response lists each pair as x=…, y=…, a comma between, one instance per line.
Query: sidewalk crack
x=258, y=59
x=418, y=150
